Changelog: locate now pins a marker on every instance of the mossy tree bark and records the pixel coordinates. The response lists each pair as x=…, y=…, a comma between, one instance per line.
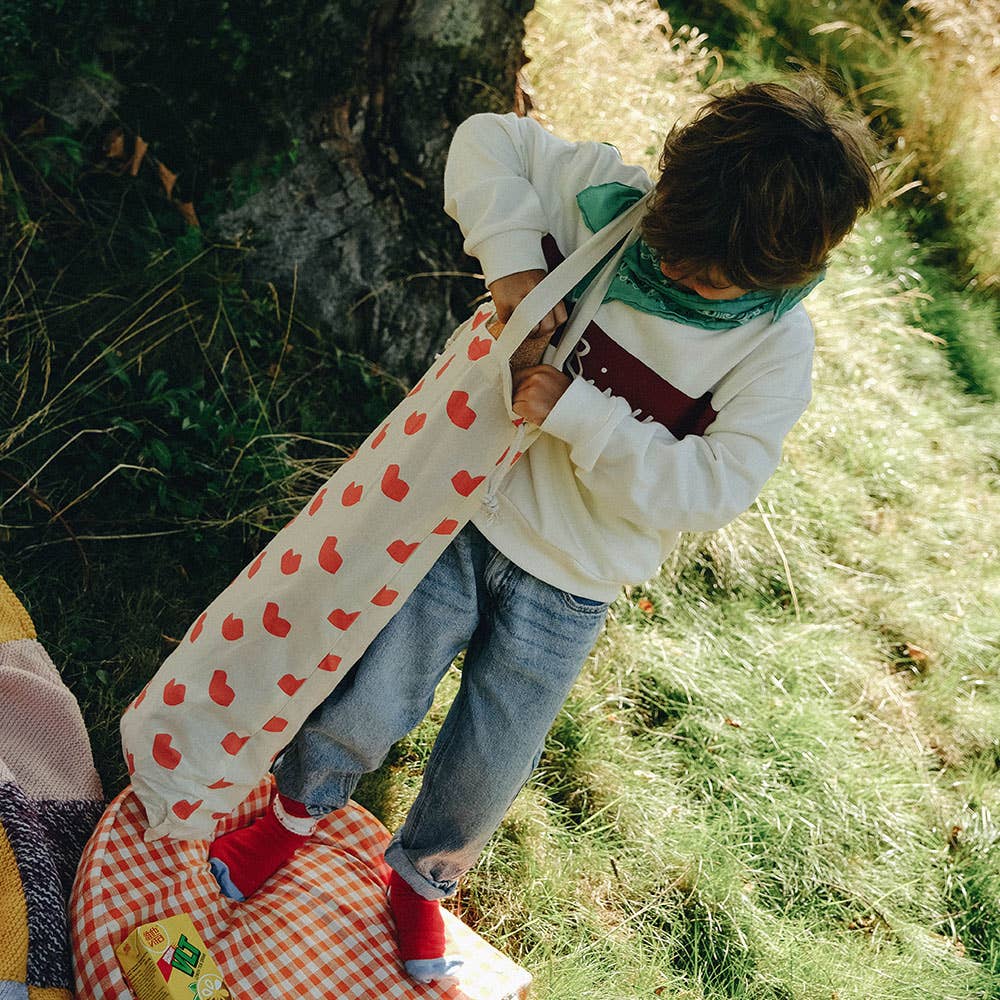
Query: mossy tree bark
x=331, y=118
x=375, y=93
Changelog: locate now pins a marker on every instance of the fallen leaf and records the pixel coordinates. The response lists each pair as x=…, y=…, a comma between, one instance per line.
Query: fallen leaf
x=114, y=145
x=167, y=178
x=137, y=155
x=186, y=209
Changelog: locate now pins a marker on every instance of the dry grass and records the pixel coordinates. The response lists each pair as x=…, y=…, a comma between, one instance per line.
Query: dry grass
x=950, y=102
x=584, y=88
x=754, y=789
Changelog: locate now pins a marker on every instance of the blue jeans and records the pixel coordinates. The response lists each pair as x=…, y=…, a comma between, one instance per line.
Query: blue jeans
x=524, y=641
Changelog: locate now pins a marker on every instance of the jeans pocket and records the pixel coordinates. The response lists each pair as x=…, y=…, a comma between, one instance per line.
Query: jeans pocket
x=584, y=604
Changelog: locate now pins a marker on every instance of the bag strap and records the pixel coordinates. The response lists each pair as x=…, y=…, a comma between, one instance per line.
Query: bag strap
x=588, y=303
x=620, y=232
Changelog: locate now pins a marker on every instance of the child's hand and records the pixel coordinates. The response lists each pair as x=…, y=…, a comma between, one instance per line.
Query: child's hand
x=507, y=293
x=537, y=390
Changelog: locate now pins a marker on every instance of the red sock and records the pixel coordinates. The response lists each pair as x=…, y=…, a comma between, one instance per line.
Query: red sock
x=419, y=924
x=248, y=857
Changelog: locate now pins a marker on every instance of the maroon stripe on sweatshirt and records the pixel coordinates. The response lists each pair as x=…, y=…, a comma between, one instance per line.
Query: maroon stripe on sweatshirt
x=603, y=362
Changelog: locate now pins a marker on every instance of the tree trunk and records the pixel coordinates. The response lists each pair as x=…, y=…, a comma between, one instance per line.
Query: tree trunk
x=324, y=122
x=356, y=225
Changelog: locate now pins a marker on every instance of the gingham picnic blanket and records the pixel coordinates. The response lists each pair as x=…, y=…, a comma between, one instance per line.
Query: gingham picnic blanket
x=321, y=928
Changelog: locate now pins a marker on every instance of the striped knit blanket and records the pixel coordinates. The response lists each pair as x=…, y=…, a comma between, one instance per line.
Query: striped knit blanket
x=50, y=801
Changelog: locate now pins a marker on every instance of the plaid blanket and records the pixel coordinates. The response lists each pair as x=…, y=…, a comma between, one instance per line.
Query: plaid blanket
x=50, y=801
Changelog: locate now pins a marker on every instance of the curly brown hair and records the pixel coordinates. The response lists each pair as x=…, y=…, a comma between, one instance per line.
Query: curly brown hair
x=762, y=185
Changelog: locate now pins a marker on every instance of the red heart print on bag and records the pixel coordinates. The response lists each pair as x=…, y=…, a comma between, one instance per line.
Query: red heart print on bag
x=342, y=619
x=198, y=626
x=351, y=495
x=255, y=565
x=393, y=486
x=219, y=690
x=465, y=483
x=380, y=437
x=330, y=662
x=276, y=724
x=385, y=597
x=479, y=347
x=290, y=684
x=233, y=743
x=317, y=501
x=481, y=317
x=444, y=367
x=414, y=422
x=446, y=527
x=220, y=784
x=232, y=628
x=173, y=693
x=183, y=809
x=415, y=389
x=273, y=622
x=290, y=562
x=329, y=558
x=459, y=412
x=400, y=550
x=163, y=753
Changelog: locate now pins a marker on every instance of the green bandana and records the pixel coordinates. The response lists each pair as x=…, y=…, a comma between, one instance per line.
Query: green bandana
x=641, y=284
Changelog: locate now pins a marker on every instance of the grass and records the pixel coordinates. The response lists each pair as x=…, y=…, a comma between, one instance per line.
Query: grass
x=957, y=141
x=779, y=775
x=160, y=419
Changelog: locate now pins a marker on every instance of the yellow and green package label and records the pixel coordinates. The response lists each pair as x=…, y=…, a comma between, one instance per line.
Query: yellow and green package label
x=167, y=960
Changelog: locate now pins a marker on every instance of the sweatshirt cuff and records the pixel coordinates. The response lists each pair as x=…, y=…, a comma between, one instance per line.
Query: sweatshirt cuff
x=585, y=418
x=510, y=252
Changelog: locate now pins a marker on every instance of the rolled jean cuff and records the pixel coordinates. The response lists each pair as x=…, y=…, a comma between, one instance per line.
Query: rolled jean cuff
x=337, y=791
x=396, y=859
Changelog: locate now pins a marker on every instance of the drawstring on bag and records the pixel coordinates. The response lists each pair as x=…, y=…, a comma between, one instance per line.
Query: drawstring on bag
x=490, y=504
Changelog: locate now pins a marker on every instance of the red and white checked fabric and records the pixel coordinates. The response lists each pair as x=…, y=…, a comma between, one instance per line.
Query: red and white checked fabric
x=319, y=928
x=275, y=643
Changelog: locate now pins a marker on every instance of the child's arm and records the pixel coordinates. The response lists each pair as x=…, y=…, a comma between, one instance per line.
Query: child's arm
x=508, y=182
x=697, y=483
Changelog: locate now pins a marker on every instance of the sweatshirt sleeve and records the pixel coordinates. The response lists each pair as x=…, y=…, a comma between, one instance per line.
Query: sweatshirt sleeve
x=697, y=483
x=508, y=182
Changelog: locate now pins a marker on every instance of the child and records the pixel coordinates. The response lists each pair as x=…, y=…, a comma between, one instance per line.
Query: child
x=669, y=417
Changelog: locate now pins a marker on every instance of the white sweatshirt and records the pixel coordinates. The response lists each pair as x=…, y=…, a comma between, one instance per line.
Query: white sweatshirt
x=665, y=427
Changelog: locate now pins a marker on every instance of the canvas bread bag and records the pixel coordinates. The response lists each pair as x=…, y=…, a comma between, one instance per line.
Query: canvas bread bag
x=271, y=647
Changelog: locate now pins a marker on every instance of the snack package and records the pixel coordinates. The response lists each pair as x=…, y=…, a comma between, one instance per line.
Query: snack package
x=167, y=960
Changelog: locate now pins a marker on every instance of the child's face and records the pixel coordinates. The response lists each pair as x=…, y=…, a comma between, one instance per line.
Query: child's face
x=711, y=284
